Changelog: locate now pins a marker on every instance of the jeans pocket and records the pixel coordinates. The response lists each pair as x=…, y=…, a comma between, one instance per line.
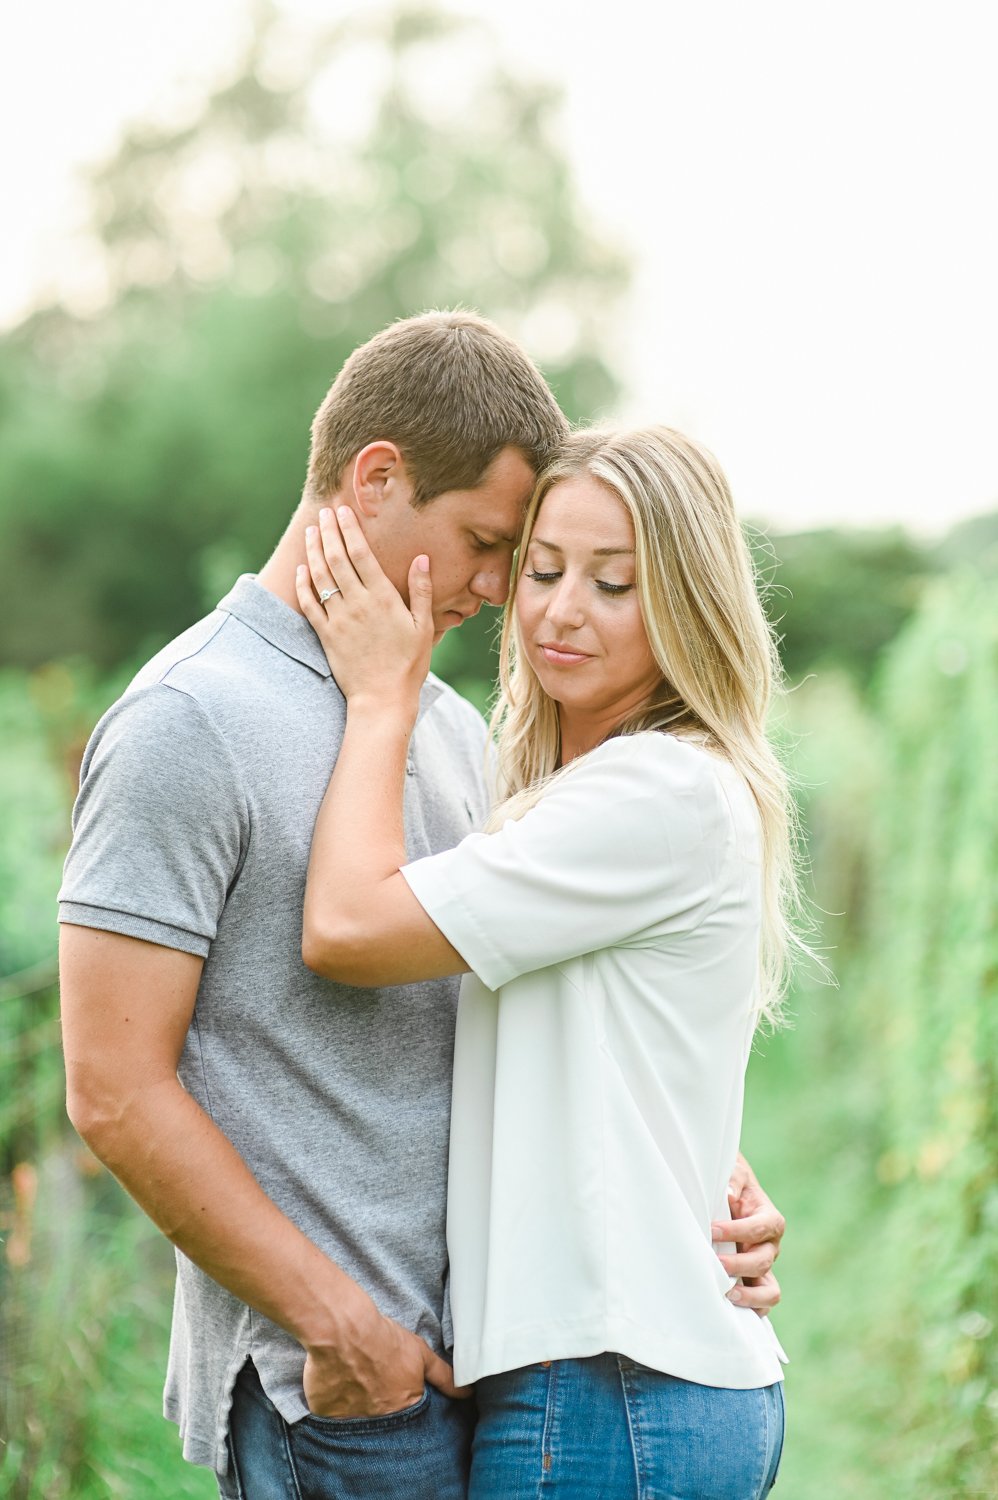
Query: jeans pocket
x=354, y=1426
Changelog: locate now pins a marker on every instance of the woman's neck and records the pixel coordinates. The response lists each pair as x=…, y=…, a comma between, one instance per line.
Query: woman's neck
x=580, y=733
x=581, y=730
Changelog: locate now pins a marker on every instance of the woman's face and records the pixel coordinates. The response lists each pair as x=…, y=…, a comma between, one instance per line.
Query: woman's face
x=577, y=604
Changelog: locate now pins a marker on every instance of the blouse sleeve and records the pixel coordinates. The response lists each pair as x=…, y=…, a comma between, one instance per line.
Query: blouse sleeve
x=623, y=849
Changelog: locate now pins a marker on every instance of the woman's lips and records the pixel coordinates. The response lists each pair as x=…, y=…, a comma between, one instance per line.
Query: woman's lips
x=563, y=656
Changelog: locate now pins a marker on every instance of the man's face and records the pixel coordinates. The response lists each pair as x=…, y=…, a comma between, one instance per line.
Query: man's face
x=469, y=536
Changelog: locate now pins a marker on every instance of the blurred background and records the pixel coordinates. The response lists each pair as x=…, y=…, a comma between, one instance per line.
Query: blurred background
x=772, y=229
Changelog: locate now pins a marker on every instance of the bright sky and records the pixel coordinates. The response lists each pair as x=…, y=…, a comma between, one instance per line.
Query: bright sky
x=807, y=192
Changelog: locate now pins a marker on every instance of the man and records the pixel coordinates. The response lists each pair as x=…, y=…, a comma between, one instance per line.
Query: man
x=289, y=1135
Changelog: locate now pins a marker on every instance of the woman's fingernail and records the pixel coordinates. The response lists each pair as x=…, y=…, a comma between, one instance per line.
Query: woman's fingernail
x=735, y=1296
x=422, y=564
x=325, y=513
x=300, y=571
x=343, y=512
x=310, y=531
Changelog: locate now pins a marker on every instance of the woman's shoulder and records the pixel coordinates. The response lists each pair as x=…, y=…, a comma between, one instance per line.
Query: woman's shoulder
x=673, y=773
x=683, y=763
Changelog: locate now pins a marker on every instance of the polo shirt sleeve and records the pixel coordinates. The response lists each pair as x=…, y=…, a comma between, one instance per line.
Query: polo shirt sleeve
x=623, y=849
x=160, y=825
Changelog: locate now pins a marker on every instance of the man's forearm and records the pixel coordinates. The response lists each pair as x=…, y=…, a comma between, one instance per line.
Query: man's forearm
x=190, y=1180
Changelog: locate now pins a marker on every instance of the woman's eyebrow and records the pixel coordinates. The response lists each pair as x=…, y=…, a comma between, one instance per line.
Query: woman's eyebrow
x=597, y=551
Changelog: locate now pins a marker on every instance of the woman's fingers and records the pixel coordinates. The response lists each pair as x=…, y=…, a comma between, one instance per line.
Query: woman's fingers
x=754, y=1229
x=754, y=1260
x=421, y=595
x=310, y=606
x=761, y=1295
x=333, y=549
x=329, y=574
x=349, y=537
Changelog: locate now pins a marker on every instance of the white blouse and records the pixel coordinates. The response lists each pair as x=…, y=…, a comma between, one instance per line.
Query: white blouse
x=602, y=1039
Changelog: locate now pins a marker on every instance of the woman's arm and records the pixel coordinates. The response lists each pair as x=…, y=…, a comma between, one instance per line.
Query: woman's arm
x=362, y=924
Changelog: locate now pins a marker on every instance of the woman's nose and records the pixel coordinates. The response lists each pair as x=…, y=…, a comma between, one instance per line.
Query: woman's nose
x=565, y=604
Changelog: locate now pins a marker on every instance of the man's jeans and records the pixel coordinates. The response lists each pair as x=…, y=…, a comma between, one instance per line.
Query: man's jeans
x=607, y=1428
x=421, y=1453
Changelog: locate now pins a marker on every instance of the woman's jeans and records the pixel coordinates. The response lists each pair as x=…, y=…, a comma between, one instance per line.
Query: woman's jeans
x=578, y=1429
x=607, y=1428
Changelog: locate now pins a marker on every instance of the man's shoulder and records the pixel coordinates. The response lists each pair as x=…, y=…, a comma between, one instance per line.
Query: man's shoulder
x=205, y=659
x=174, y=706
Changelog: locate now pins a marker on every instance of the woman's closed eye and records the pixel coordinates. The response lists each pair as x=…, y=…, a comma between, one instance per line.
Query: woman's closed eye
x=601, y=584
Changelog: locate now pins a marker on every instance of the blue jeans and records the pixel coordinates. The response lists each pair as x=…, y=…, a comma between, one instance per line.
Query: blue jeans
x=421, y=1453
x=607, y=1428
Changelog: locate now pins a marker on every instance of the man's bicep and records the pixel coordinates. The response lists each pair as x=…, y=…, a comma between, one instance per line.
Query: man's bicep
x=160, y=825
x=126, y=1008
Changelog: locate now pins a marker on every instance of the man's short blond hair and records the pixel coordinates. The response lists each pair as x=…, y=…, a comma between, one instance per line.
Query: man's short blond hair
x=451, y=390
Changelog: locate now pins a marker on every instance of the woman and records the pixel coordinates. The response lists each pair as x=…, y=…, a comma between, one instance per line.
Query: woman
x=622, y=924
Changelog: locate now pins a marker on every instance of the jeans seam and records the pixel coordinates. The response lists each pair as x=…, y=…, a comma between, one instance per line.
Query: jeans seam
x=233, y=1465
x=637, y=1457
x=547, y=1434
x=292, y=1469
x=767, y=1453
x=776, y=1456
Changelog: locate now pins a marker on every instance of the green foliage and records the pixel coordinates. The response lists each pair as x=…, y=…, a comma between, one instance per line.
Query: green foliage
x=935, y=973
x=85, y=1325
x=876, y=1120
x=34, y=816
x=972, y=544
x=154, y=448
x=839, y=597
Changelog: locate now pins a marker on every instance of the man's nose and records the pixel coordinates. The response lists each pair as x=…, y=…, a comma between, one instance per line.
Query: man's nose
x=491, y=584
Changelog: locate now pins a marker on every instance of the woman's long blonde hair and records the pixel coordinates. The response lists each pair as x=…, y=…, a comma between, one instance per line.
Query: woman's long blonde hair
x=709, y=634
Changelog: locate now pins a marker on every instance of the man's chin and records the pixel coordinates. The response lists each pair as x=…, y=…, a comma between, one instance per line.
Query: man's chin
x=449, y=620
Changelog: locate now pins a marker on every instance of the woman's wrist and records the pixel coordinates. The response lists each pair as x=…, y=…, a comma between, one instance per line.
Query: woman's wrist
x=398, y=711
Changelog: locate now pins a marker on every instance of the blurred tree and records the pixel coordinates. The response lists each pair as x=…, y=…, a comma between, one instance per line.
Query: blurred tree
x=840, y=596
x=972, y=543
x=154, y=417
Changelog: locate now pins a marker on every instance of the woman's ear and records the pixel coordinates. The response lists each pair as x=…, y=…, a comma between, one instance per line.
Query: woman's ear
x=378, y=477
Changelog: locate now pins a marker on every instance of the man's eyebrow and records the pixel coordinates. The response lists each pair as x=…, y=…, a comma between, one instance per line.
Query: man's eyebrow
x=597, y=551
x=495, y=537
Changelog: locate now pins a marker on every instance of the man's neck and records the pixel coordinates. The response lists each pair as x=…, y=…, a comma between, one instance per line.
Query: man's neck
x=278, y=573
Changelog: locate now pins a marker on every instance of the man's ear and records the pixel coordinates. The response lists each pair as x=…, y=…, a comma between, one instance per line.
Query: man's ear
x=378, y=476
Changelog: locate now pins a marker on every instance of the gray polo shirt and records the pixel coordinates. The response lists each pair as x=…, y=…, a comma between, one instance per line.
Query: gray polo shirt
x=199, y=792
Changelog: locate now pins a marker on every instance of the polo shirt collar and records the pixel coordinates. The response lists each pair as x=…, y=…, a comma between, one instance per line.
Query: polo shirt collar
x=256, y=607
x=263, y=612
